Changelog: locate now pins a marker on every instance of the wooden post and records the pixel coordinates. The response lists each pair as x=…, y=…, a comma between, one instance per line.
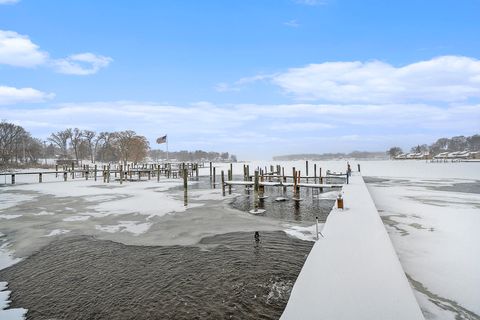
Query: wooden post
x=40, y=177
x=13, y=179
x=65, y=175
x=196, y=171
x=185, y=185
x=230, y=178
x=294, y=183
x=56, y=171
x=261, y=188
x=73, y=166
x=149, y=175
x=299, y=177
x=320, y=175
x=214, y=177
x=358, y=165
x=121, y=174
x=211, y=172
x=158, y=173
x=95, y=172
x=315, y=173
x=306, y=168
x=223, y=184
x=185, y=179
x=256, y=182
x=87, y=172
x=108, y=174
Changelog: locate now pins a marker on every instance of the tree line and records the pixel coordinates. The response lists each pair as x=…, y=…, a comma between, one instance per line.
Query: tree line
x=17, y=146
x=330, y=156
x=198, y=155
x=458, y=143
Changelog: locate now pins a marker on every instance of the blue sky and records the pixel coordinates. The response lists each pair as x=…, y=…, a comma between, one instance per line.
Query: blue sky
x=256, y=78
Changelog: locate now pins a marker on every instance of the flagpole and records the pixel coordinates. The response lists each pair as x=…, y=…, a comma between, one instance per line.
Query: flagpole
x=167, y=147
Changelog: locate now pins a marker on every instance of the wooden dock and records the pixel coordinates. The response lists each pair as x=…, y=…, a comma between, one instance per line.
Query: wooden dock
x=118, y=172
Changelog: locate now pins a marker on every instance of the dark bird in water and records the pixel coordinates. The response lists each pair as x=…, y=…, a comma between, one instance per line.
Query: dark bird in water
x=257, y=236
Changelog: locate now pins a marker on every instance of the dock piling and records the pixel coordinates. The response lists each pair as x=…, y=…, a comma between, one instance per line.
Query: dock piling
x=223, y=184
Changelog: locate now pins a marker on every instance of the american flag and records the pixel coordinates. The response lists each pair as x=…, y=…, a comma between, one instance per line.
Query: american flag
x=162, y=139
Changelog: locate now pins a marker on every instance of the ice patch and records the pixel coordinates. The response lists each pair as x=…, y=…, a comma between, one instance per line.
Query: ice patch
x=332, y=195
x=257, y=211
x=134, y=227
x=9, y=216
x=213, y=194
x=57, y=232
x=76, y=218
x=44, y=213
x=10, y=314
x=13, y=199
x=304, y=233
x=6, y=260
x=6, y=257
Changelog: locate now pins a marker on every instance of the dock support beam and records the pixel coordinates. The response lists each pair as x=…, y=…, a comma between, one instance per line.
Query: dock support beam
x=223, y=184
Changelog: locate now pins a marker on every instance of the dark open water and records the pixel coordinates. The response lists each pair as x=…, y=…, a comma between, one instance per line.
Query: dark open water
x=226, y=277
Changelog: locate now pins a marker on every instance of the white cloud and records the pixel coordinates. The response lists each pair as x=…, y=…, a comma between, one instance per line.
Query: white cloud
x=8, y=1
x=11, y=95
x=239, y=84
x=444, y=79
x=18, y=50
x=253, y=130
x=81, y=64
x=292, y=24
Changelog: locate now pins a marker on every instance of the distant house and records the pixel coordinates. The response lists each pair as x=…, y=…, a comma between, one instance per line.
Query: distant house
x=441, y=156
x=413, y=156
x=458, y=155
x=475, y=155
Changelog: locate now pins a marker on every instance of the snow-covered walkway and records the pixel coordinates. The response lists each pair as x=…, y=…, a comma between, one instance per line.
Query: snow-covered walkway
x=353, y=272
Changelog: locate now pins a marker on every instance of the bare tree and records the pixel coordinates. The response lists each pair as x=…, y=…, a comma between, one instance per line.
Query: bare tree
x=12, y=141
x=131, y=146
x=89, y=136
x=394, y=151
x=123, y=143
x=34, y=149
x=75, y=141
x=60, y=139
x=106, y=146
x=139, y=147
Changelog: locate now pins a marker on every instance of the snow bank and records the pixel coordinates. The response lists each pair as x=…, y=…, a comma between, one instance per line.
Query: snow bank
x=353, y=273
x=6, y=260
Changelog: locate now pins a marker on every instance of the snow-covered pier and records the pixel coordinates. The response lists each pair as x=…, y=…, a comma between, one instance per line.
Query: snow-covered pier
x=353, y=272
x=283, y=184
